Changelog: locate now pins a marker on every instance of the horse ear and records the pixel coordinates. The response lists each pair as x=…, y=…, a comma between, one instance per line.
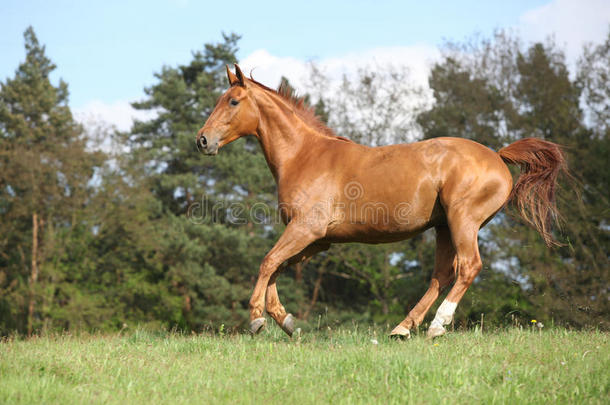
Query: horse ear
x=232, y=78
x=240, y=76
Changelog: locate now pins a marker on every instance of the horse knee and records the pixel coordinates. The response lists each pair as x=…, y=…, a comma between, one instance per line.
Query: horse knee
x=268, y=267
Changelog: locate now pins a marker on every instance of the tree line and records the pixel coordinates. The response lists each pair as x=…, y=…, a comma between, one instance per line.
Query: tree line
x=147, y=233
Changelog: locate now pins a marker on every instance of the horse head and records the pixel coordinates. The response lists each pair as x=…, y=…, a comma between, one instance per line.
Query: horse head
x=234, y=116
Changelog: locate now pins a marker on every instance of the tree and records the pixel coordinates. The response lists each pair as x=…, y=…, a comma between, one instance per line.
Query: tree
x=375, y=106
x=594, y=79
x=43, y=183
x=466, y=106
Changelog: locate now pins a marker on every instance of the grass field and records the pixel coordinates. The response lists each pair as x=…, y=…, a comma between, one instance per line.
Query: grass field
x=330, y=366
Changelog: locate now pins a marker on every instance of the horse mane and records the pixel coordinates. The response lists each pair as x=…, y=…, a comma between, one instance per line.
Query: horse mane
x=305, y=111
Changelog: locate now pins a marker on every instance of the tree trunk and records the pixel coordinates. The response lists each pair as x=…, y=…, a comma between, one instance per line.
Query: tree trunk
x=34, y=273
x=298, y=278
x=187, y=303
x=298, y=272
x=314, y=297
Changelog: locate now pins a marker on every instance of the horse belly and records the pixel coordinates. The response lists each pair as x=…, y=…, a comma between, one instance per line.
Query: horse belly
x=378, y=223
x=364, y=234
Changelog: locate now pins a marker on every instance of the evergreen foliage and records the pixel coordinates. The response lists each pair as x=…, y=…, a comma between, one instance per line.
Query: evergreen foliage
x=155, y=233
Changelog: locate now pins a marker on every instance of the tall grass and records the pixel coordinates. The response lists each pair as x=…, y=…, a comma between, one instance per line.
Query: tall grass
x=357, y=365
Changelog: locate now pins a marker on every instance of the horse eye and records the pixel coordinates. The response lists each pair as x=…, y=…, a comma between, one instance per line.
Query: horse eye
x=234, y=102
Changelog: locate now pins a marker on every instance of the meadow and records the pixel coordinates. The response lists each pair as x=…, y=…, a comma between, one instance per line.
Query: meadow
x=346, y=365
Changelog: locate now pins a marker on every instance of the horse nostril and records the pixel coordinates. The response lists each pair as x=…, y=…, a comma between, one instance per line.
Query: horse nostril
x=203, y=141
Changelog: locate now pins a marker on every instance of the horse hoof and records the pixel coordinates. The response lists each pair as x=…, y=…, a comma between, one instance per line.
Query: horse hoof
x=288, y=324
x=257, y=325
x=400, y=332
x=435, y=331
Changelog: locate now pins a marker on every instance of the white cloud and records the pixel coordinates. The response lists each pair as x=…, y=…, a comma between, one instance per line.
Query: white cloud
x=417, y=58
x=119, y=114
x=268, y=69
x=572, y=23
x=101, y=119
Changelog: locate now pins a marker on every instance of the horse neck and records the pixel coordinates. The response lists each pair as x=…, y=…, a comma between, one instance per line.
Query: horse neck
x=281, y=134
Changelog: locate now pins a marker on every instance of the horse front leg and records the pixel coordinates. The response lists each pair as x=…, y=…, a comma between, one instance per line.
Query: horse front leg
x=296, y=237
x=274, y=306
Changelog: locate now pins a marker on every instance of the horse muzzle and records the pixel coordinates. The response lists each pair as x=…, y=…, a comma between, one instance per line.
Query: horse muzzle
x=206, y=145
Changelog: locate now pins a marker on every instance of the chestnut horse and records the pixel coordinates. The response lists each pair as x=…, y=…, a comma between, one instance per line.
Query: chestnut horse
x=333, y=190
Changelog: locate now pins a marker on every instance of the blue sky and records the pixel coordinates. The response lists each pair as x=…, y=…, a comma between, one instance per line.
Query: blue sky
x=108, y=51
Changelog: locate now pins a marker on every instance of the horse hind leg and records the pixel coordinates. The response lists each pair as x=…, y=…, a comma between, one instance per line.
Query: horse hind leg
x=442, y=276
x=464, y=232
x=468, y=209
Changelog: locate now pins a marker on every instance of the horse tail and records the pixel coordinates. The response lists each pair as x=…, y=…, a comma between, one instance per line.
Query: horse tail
x=540, y=162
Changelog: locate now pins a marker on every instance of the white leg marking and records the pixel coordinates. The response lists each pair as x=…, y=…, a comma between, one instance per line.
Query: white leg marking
x=444, y=314
x=401, y=331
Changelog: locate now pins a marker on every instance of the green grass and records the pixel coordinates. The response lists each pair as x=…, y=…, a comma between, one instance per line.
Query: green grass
x=329, y=366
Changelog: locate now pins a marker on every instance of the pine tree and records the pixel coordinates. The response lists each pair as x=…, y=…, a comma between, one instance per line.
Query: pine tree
x=43, y=183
